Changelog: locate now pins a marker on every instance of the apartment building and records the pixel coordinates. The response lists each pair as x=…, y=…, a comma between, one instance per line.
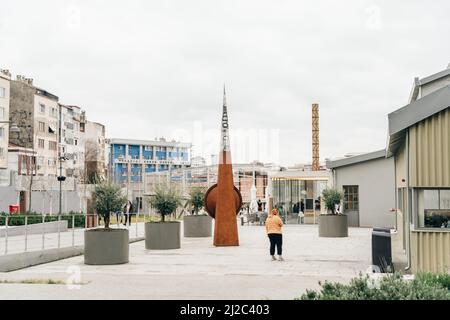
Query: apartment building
x=95, y=151
x=72, y=144
x=35, y=112
x=5, y=78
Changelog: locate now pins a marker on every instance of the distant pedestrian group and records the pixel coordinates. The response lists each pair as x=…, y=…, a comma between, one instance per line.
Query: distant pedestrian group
x=125, y=213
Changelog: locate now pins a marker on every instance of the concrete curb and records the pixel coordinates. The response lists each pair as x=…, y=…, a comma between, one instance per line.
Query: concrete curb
x=17, y=261
x=36, y=228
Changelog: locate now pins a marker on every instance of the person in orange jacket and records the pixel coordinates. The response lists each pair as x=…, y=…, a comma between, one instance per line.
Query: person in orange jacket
x=274, y=226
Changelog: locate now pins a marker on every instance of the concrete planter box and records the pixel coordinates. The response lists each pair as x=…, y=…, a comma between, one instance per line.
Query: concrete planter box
x=106, y=246
x=162, y=235
x=333, y=225
x=197, y=226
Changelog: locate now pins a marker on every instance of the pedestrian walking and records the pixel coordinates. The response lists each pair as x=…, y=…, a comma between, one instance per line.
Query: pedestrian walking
x=127, y=209
x=274, y=226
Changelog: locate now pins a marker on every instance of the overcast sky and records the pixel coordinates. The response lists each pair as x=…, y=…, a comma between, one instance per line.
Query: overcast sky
x=157, y=68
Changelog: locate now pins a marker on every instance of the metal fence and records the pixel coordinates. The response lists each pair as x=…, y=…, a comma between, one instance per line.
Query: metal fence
x=22, y=233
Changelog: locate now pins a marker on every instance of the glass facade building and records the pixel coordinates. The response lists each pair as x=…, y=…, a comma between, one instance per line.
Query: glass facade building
x=129, y=160
x=299, y=191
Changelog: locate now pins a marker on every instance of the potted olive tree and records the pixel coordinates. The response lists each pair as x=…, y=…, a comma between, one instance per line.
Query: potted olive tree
x=197, y=225
x=106, y=245
x=334, y=223
x=163, y=234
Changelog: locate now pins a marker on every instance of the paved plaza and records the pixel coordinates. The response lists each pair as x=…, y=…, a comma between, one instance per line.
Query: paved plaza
x=201, y=271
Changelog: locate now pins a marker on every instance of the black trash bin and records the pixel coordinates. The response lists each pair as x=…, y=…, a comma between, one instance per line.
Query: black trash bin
x=381, y=249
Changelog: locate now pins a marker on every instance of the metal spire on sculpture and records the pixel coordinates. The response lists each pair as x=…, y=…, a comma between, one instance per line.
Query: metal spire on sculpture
x=225, y=138
x=223, y=200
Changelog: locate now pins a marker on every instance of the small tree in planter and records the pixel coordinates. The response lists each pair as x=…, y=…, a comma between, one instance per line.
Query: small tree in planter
x=197, y=225
x=332, y=197
x=196, y=199
x=105, y=246
x=333, y=224
x=165, y=200
x=164, y=235
x=107, y=198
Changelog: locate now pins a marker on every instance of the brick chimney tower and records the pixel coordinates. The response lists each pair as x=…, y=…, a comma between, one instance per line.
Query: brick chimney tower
x=315, y=137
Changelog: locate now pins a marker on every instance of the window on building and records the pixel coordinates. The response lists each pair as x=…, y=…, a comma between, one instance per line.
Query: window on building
x=53, y=112
x=2, y=133
x=75, y=142
x=2, y=92
x=52, y=145
x=2, y=152
x=351, y=198
x=433, y=206
x=42, y=108
x=2, y=113
x=41, y=143
x=41, y=126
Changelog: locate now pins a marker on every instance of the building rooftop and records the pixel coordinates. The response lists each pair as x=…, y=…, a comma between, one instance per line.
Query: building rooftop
x=300, y=174
x=420, y=82
x=149, y=142
x=336, y=163
x=413, y=113
x=435, y=76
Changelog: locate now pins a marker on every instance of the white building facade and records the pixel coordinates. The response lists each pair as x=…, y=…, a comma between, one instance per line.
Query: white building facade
x=5, y=78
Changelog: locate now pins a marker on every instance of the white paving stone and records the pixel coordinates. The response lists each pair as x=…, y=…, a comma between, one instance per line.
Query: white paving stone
x=201, y=271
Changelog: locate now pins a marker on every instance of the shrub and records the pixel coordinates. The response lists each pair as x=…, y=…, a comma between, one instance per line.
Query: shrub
x=165, y=200
x=391, y=287
x=196, y=199
x=19, y=220
x=107, y=198
x=442, y=279
x=332, y=197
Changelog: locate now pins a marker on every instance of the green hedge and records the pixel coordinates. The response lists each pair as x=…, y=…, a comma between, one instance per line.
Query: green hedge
x=19, y=220
x=425, y=286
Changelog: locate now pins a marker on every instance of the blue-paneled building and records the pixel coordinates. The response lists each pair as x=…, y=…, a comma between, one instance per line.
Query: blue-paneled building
x=130, y=159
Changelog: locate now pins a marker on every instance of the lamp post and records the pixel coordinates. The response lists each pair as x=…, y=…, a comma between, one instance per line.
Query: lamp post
x=61, y=158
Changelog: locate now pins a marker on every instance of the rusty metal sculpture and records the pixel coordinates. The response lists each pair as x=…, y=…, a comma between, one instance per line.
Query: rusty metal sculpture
x=223, y=200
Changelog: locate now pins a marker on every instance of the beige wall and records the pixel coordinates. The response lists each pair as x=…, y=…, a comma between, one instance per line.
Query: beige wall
x=429, y=165
x=430, y=251
x=430, y=151
x=4, y=104
x=401, y=174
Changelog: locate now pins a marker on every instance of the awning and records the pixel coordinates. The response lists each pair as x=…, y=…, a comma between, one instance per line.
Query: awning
x=51, y=129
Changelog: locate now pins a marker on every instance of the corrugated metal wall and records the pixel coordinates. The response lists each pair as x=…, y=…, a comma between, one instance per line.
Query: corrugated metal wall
x=430, y=151
x=430, y=251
